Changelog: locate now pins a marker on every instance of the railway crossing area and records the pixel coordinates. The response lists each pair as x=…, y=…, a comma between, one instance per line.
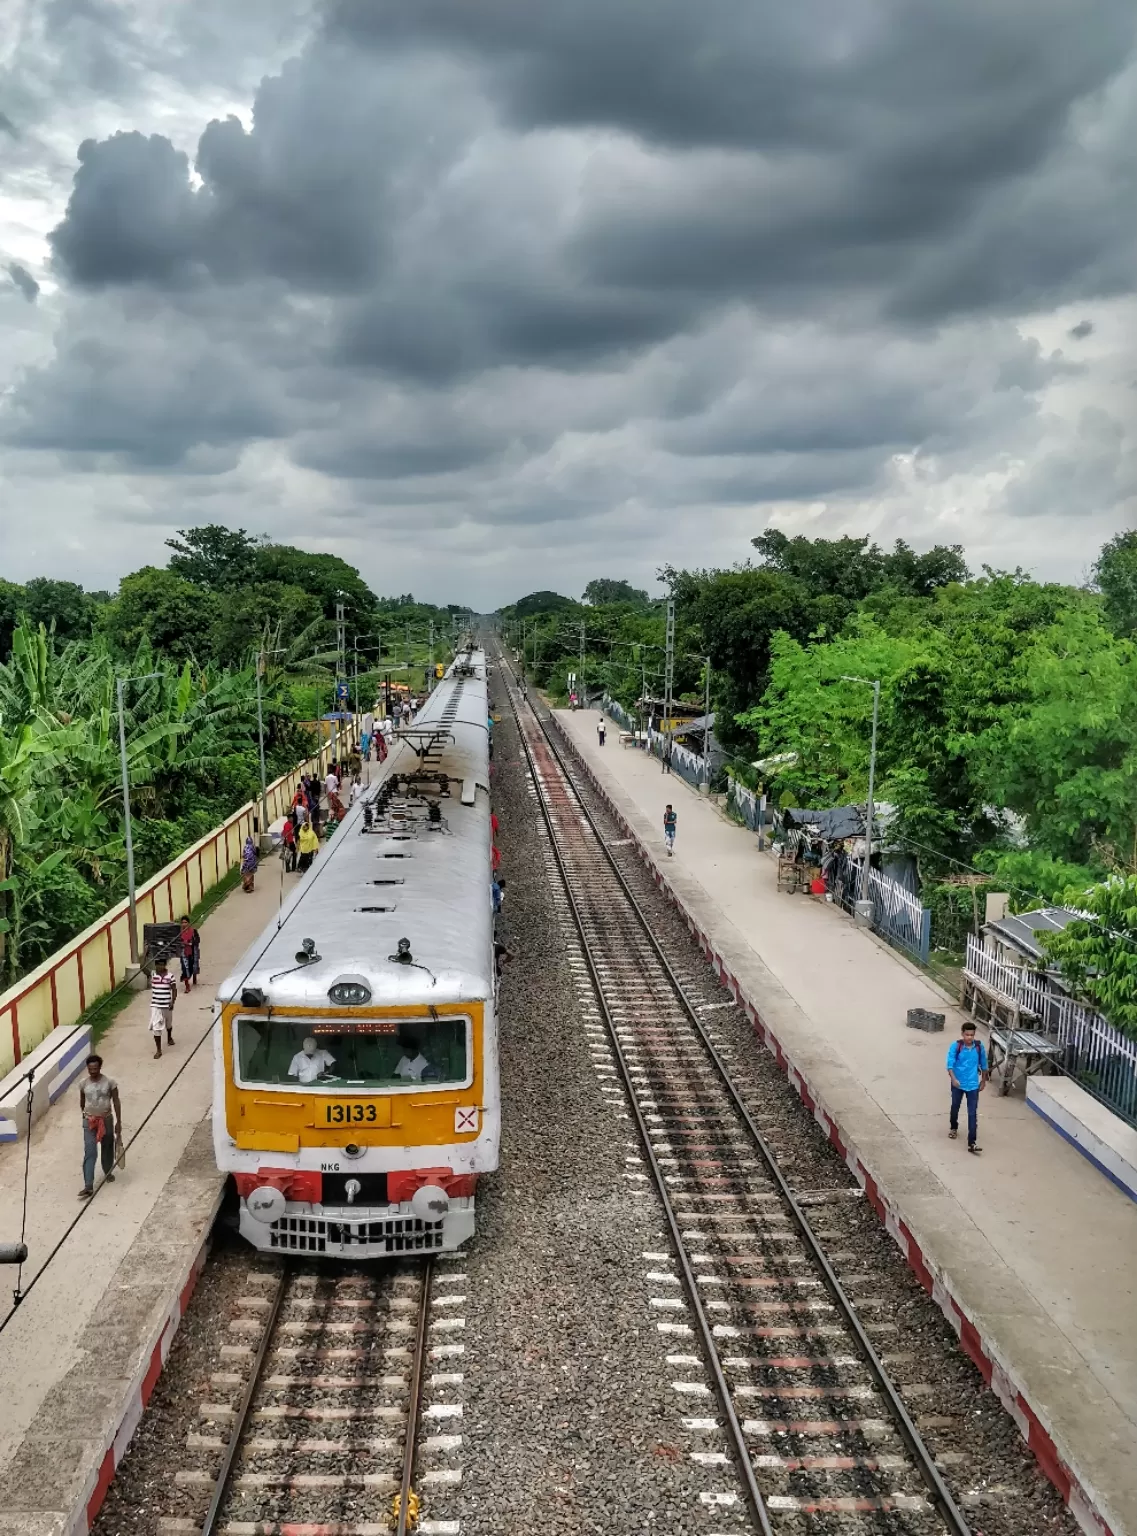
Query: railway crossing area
x=1032, y=1252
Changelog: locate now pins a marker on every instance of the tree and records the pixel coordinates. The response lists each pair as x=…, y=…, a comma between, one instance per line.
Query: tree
x=1066, y=756
x=214, y=557
x=1115, y=575
x=244, y=617
x=60, y=605
x=11, y=606
x=733, y=617
x=603, y=590
x=852, y=568
x=173, y=615
x=326, y=577
x=1097, y=954
x=538, y=603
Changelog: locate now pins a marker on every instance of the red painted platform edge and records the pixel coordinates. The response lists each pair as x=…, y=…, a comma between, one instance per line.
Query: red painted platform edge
x=87, y=1507
x=1076, y=1496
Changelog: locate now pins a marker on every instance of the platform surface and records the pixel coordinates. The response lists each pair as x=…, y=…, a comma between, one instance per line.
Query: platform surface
x=123, y=1263
x=1040, y=1248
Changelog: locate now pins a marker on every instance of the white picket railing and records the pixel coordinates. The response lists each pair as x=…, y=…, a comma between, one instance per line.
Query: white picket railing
x=1092, y=1050
x=1016, y=982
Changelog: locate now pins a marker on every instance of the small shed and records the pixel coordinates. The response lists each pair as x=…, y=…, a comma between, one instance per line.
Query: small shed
x=1015, y=939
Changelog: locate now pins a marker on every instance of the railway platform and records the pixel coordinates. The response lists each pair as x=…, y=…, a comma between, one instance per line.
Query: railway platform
x=1030, y=1252
x=80, y=1354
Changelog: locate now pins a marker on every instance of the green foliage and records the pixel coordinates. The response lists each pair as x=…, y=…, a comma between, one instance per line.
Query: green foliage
x=852, y=568
x=1098, y=955
x=213, y=557
x=1115, y=575
x=164, y=611
x=538, y=603
x=604, y=591
x=1032, y=878
x=1065, y=756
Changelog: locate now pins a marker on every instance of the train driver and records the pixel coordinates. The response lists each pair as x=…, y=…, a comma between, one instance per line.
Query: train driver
x=311, y=1062
x=412, y=1063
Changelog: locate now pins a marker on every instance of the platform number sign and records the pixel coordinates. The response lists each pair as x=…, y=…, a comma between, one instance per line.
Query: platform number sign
x=466, y=1119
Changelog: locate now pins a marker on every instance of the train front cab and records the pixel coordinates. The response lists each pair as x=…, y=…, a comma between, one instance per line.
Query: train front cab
x=368, y=1161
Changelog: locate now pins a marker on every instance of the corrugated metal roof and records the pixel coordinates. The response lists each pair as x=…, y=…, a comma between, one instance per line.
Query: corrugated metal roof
x=1020, y=929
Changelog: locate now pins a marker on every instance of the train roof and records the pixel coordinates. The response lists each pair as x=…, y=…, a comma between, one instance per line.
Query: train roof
x=440, y=896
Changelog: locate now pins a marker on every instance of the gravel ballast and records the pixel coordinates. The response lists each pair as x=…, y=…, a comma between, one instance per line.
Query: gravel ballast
x=996, y=1479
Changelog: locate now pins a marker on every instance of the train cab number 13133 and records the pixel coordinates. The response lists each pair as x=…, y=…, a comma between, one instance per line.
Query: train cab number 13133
x=349, y=1113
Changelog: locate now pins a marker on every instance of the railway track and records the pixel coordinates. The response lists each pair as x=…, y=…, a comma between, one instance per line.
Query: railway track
x=807, y=1410
x=317, y=1423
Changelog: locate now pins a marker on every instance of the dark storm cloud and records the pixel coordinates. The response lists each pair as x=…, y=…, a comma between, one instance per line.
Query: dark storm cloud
x=1080, y=331
x=131, y=217
x=736, y=250
x=24, y=281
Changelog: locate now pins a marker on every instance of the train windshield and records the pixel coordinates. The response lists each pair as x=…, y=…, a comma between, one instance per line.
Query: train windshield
x=357, y=1053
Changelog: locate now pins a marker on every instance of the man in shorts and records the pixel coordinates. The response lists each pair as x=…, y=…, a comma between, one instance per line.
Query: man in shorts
x=163, y=996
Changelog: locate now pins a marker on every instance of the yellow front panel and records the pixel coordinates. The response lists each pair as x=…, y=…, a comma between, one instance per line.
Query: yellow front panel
x=283, y=1120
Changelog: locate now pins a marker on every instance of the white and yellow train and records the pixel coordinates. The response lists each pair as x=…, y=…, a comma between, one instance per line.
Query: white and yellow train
x=356, y=1096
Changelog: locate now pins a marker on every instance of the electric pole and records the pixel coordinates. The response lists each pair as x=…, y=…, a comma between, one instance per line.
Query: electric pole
x=580, y=679
x=668, y=671
x=341, y=671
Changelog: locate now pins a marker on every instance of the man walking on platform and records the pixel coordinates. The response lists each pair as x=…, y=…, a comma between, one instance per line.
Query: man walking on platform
x=670, y=827
x=601, y=731
x=102, y=1123
x=163, y=996
x=968, y=1072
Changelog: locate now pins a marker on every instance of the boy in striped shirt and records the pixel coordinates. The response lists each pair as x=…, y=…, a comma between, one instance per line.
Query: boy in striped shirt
x=163, y=996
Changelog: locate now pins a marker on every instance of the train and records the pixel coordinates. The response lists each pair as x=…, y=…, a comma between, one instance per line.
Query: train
x=356, y=1093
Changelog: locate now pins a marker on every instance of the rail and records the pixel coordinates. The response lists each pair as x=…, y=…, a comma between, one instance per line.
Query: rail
x=228, y=1461
x=923, y=1461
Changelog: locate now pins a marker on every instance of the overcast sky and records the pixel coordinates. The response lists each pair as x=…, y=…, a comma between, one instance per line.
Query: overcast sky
x=490, y=295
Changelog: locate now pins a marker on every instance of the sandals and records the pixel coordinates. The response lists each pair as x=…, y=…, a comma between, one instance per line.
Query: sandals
x=952, y=1135
x=973, y=1149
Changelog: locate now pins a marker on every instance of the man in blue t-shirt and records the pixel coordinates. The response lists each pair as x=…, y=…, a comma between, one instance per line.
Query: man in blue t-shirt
x=967, y=1069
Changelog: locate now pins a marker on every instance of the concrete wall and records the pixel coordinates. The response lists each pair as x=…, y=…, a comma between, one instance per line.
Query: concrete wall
x=1099, y=1135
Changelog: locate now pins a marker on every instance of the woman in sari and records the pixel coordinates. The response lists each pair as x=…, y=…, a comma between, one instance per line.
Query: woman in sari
x=249, y=863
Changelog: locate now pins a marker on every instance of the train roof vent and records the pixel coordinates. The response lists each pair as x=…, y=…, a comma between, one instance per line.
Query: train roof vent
x=389, y=908
x=390, y=880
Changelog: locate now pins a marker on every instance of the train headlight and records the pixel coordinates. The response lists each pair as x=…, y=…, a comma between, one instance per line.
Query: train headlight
x=266, y=1204
x=430, y=1203
x=350, y=992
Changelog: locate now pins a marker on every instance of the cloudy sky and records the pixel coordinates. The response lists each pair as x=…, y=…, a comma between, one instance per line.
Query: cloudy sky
x=486, y=295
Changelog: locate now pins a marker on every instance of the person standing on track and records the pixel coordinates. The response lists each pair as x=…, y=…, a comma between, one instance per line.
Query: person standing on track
x=163, y=996
x=968, y=1072
x=101, y=1110
x=670, y=827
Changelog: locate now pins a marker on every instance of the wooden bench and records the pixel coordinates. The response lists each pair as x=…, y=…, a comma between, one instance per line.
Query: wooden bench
x=633, y=738
x=1025, y=1046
